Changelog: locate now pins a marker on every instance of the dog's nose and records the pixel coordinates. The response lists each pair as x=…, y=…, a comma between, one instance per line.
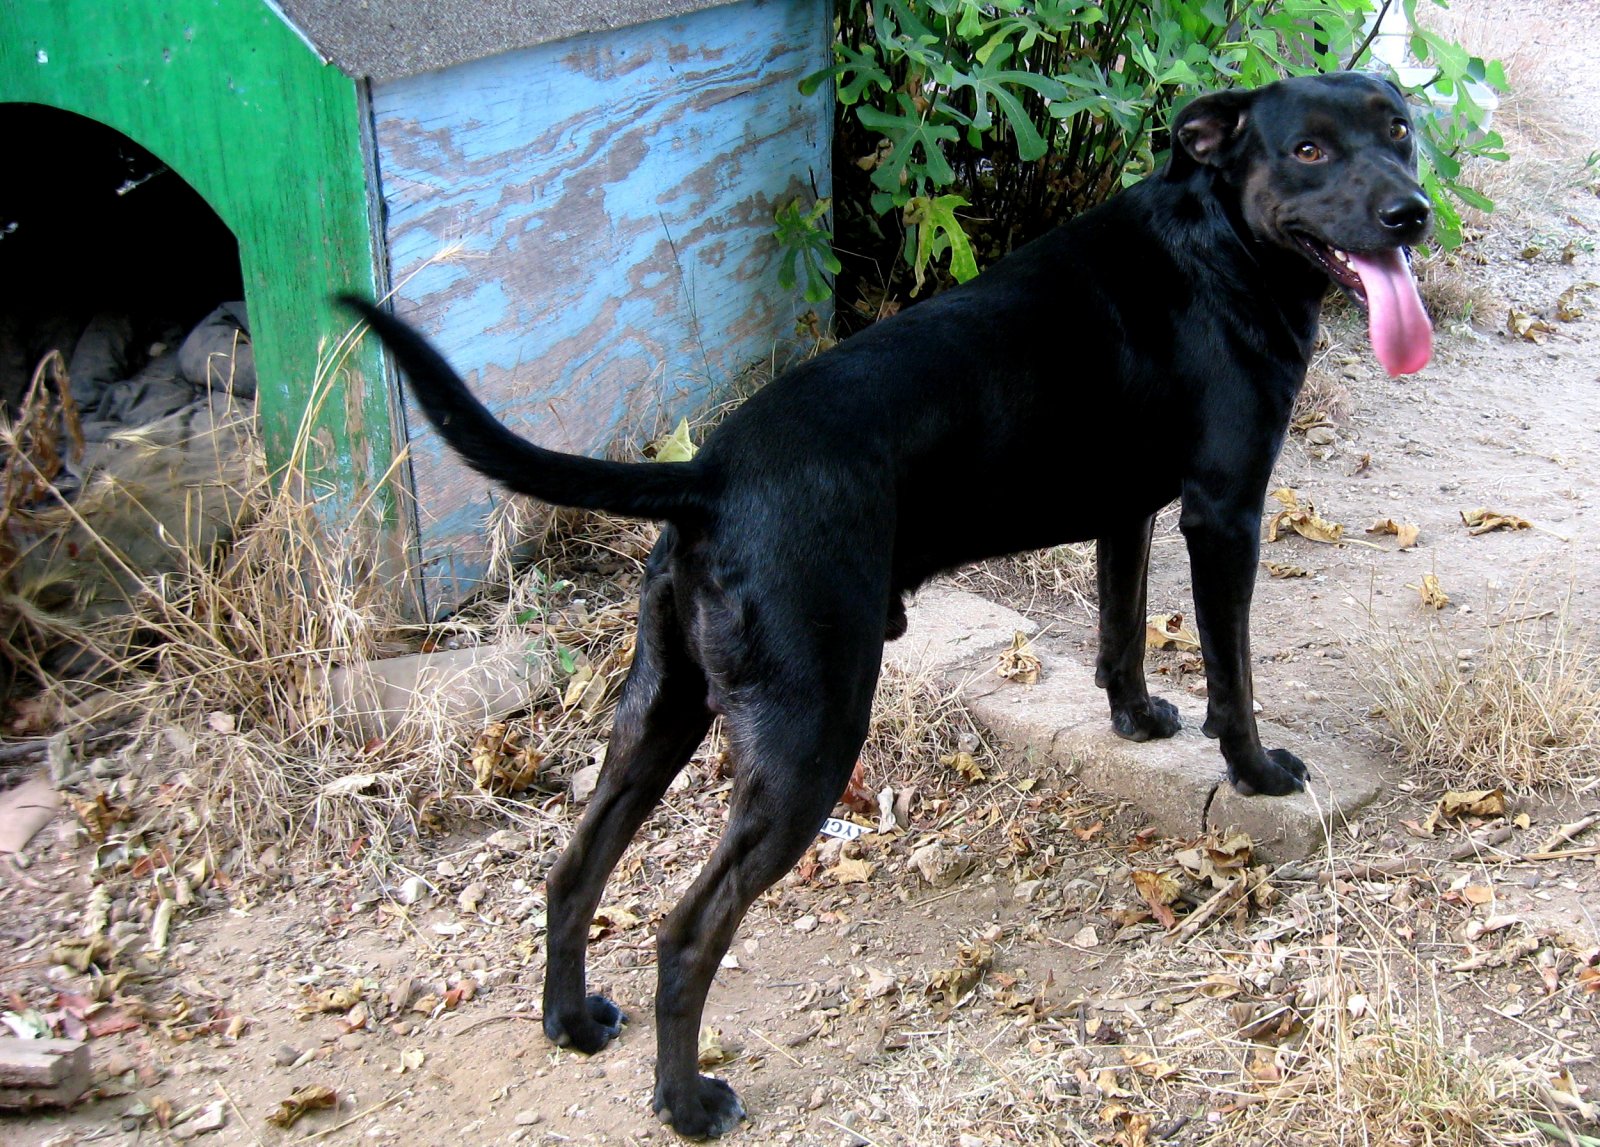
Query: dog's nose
x=1407, y=213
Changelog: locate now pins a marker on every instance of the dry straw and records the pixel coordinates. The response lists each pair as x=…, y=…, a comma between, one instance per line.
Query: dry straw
x=1514, y=705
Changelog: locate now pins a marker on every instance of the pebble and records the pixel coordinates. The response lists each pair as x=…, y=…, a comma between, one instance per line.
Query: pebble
x=941, y=866
x=285, y=1056
x=413, y=889
x=806, y=923
x=529, y=1118
x=507, y=841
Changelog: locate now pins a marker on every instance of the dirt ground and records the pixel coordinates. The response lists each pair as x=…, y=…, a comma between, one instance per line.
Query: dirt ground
x=1037, y=998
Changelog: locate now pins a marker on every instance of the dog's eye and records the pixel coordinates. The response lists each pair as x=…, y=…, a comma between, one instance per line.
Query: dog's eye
x=1398, y=130
x=1308, y=152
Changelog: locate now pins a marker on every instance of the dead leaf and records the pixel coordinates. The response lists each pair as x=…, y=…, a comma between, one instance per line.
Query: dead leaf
x=1148, y=1065
x=1568, y=309
x=852, y=871
x=1167, y=631
x=1019, y=663
x=98, y=814
x=674, y=447
x=1303, y=519
x=1284, y=569
x=1483, y=519
x=301, y=1101
x=1159, y=890
x=333, y=999
x=880, y=983
x=501, y=763
x=1404, y=531
x=1473, y=802
x=1477, y=895
x=81, y=955
x=950, y=986
x=965, y=764
x=715, y=1048
x=1431, y=592
x=858, y=796
x=1529, y=328
x=612, y=919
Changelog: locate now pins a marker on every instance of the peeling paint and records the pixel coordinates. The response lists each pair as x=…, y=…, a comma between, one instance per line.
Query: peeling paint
x=612, y=196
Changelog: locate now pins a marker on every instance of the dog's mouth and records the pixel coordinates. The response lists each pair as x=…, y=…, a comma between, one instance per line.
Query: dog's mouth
x=1381, y=283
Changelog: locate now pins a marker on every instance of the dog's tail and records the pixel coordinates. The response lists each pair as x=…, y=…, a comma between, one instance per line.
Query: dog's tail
x=667, y=491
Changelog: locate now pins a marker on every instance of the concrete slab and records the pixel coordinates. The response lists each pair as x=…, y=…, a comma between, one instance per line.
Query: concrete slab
x=1178, y=783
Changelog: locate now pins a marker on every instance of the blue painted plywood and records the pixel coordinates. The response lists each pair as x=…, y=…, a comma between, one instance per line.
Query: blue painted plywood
x=609, y=203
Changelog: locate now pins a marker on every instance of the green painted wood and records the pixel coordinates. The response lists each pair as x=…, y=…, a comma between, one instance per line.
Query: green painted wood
x=272, y=136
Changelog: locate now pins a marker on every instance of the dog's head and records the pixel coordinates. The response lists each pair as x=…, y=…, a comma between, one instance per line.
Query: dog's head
x=1325, y=166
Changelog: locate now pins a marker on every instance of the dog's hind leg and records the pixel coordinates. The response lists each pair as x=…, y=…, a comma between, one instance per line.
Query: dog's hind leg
x=660, y=721
x=1122, y=561
x=790, y=769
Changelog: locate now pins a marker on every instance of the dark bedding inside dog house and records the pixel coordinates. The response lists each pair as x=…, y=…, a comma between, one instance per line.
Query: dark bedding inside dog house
x=574, y=202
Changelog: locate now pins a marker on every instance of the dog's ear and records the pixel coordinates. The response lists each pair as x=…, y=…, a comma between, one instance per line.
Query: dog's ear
x=1206, y=130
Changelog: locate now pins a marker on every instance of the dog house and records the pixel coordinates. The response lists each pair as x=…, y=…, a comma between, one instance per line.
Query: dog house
x=575, y=202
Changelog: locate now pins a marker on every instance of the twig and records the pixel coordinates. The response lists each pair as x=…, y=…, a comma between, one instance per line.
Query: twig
x=1474, y=847
x=1374, y=871
x=245, y=1122
x=1224, y=899
x=476, y=1024
x=1361, y=49
x=1590, y=850
x=1568, y=831
x=376, y=1107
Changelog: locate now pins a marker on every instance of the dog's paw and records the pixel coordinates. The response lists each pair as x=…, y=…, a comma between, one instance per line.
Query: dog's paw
x=594, y=1025
x=710, y=1109
x=1279, y=773
x=1150, y=721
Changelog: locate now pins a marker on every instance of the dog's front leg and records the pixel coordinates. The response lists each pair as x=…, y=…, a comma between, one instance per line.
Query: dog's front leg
x=1122, y=561
x=1223, y=534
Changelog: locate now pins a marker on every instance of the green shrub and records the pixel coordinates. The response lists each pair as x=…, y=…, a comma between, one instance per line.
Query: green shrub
x=1021, y=115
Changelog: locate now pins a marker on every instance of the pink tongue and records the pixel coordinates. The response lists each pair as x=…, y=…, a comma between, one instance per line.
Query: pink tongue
x=1401, y=335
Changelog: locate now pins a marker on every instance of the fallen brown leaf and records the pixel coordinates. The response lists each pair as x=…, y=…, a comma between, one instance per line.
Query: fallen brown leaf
x=1302, y=518
x=1019, y=663
x=1529, y=328
x=1432, y=593
x=1483, y=519
x=1167, y=631
x=301, y=1101
x=1159, y=890
x=1404, y=531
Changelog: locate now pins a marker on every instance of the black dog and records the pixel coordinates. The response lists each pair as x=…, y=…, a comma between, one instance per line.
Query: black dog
x=1188, y=302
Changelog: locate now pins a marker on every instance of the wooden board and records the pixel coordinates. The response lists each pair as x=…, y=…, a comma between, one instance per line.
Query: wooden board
x=610, y=201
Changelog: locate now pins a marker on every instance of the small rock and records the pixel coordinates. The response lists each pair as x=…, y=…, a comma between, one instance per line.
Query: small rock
x=413, y=889
x=507, y=841
x=829, y=851
x=472, y=895
x=211, y=1117
x=285, y=1056
x=584, y=781
x=941, y=866
x=806, y=923
x=1321, y=436
x=352, y=1041
x=529, y=1118
x=1025, y=891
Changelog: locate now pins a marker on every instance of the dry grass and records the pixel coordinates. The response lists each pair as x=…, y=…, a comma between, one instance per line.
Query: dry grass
x=1514, y=705
x=1061, y=574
